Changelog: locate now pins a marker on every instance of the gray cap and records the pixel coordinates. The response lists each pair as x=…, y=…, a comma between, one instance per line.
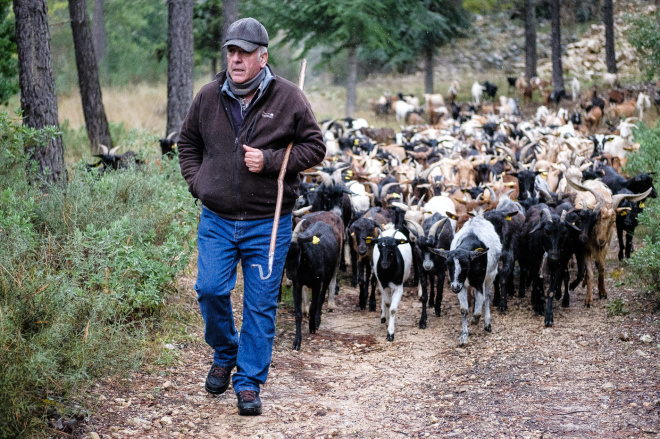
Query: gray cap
x=246, y=33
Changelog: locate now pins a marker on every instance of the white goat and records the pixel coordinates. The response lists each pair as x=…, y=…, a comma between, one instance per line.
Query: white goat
x=477, y=91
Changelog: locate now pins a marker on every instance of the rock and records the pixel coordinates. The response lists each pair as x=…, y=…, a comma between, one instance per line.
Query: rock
x=624, y=336
x=607, y=387
x=166, y=420
x=646, y=338
x=94, y=435
x=168, y=385
x=170, y=346
x=641, y=353
x=433, y=419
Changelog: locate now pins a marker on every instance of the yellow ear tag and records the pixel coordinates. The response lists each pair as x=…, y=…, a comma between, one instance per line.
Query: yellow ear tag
x=623, y=213
x=368, y=239
x=641, y=204
x=403, y=241
x=315, y=240
x=508, y=218
x=477, y=249
x=395, y=195
x=573, y=223
x=352, y=233
x=356, y=141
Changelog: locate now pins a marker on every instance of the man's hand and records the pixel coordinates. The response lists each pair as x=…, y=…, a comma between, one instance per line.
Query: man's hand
x=254, y=159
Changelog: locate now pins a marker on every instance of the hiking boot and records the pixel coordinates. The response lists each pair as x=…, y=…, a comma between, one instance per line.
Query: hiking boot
x=249, y=403
x=217, y=380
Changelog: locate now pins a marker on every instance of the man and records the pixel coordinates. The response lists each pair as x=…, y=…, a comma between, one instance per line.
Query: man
x=231, y=148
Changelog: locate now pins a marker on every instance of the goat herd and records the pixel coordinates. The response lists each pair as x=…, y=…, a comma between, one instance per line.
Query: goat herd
x=472, y=193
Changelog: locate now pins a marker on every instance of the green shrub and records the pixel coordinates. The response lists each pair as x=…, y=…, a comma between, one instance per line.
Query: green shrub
x=644, y=35
x=84, y=272
x=645, y=261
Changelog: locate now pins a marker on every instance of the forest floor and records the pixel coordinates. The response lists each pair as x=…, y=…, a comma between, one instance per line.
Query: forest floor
x=592, y=375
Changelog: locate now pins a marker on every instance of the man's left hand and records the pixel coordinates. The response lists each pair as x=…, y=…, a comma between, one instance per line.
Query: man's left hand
x=254, y=159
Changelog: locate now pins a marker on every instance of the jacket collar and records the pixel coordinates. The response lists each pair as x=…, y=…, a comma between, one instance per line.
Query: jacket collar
x=224, y=88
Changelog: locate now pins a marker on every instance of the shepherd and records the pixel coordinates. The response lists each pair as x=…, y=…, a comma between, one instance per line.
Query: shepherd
x=232, y=147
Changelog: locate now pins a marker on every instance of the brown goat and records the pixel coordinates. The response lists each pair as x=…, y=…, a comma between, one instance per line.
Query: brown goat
x=601, y=235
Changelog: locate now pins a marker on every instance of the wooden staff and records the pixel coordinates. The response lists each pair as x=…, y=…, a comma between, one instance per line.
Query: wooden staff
x=280, y=191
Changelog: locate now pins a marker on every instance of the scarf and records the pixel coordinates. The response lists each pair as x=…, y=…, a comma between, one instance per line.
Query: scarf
x=246, y=87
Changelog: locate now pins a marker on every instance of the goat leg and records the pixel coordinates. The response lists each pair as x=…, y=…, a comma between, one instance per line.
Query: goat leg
x=372, y=297
x=424, y=282
x=439, y=287
x=297, y=303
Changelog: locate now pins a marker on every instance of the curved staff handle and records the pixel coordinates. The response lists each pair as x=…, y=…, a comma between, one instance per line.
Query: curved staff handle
x=280, y=192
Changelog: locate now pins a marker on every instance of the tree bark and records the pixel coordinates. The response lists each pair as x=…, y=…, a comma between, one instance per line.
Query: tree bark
x=657, y=11
x=180, y=62
x=229, y=15
x=38, y=98
x=428, y=69
x=608, y=18
x=351, y=84
x=96, y=121
x=557, y=72
x=530, y=39
x=98, y=34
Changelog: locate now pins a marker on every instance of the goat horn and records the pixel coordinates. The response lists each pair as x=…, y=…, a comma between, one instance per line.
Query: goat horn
x=415, y=228
x=434, y=227
x=170, y=135
x=616, y=199
x=510, y=153
x=383, y=190
x=600, y=199
x=104, y=149
x=302, y=211
x=296, y=231
x=113, y=150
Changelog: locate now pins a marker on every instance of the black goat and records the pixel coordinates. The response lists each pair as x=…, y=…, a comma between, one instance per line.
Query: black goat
x=431, y=234
x=168, y=145
x=311, y=262
x=111, y=160
x=490, y=89
x=508, y=225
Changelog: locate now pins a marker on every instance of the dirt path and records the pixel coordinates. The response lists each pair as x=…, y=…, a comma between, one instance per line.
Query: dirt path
x=590, y=376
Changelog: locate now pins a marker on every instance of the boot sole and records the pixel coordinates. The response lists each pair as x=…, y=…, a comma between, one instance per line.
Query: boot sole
x=219, y=391
x=251, y=411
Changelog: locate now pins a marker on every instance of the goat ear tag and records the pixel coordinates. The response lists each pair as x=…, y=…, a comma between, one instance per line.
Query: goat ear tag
x=508, y=218
x=641, y=204
x=368, y=239
x=356, y=141
x=315, y=240
x=403, y=241
x=623, y=213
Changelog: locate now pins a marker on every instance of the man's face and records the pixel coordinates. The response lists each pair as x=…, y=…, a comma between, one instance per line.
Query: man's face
x=243, y=65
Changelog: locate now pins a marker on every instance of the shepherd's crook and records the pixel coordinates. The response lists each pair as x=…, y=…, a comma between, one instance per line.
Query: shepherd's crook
x=280, y=192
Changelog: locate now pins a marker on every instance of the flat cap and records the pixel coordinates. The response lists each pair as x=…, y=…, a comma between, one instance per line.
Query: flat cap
x=246, y=33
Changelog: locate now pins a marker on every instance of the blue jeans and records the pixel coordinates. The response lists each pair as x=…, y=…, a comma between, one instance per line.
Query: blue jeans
x=221, y=244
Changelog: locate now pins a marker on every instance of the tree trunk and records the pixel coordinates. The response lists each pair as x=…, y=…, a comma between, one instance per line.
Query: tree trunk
x=610, y=56
x=428, y=69
x=557, y=72
x=530, y=39
x=180, y=62
x=96, y=122
x=214, y=66
x=229, y=15
x=351, y=84
x=98, y=34
x=657, y=11
x=38, y=98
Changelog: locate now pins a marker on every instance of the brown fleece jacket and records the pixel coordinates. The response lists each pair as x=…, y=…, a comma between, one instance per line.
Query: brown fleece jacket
x=212, y=156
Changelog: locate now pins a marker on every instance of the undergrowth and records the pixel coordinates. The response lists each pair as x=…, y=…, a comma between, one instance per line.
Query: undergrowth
x=84, y=271
x=645, y=261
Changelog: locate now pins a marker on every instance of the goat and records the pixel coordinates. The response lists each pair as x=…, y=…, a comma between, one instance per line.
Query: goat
x=111, y=160
x=312, y=261
x=392, y=266
x=575, y=88
x=431, y=234
x=599, y=240
x=490, y=89
x=168, y=145
x=362, y=230
x=472, y=262
x=643, y=102
x=477, y=91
